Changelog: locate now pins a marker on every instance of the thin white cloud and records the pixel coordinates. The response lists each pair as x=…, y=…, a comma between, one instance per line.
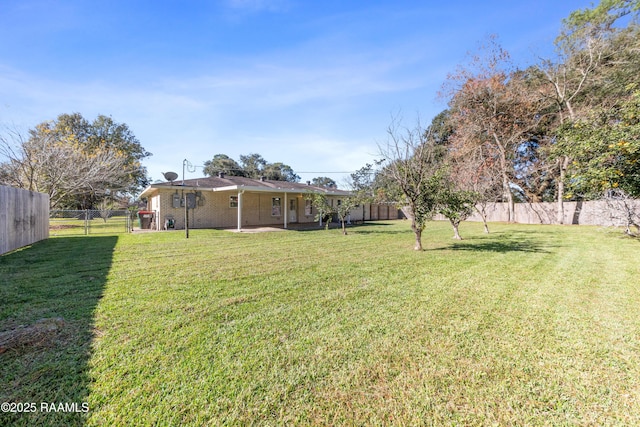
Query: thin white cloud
x=317, y=104
x=247, y=111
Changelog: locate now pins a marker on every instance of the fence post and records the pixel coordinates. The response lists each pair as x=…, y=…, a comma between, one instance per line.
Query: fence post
x=86, y=222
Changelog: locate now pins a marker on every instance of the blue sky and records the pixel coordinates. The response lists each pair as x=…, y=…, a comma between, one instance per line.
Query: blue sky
x=313, y=84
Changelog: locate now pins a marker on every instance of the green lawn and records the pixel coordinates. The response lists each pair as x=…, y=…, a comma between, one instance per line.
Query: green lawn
x=529, y=325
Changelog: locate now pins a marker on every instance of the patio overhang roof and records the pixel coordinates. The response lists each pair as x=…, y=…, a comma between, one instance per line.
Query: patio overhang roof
x=247, y=188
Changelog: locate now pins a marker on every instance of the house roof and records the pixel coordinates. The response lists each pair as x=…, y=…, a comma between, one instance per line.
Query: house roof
x=239, y=183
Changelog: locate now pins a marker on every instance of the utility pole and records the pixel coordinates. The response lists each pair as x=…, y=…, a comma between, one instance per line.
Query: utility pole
x=184, y=200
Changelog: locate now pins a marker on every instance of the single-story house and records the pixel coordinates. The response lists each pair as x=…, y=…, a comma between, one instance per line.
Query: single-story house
x=236, y=202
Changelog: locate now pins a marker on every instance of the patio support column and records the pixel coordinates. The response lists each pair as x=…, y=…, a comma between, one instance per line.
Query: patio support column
x=240, y=210
x=286, y=210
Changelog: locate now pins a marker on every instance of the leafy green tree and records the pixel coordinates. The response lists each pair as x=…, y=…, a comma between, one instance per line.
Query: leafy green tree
x=605, y=13
x=324, y=208
x=78, y=163
x=279, y=172
x=455, y=205
x=343, y=209
x=323, y=181
x=105, y=133
x=253, y=165
x=588, y=72
x=223, y=163
x=367, y=186
x=441, y=129
x=605, y=150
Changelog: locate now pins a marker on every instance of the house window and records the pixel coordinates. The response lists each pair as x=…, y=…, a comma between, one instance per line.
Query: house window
x=275, y=206
x=233, y=201
x=308, y=207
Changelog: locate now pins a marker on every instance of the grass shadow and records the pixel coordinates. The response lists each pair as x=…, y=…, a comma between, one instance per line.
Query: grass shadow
x=49, y=293
x=377, y=228
x=503, y=242
x=497, y=246
x=359, y=227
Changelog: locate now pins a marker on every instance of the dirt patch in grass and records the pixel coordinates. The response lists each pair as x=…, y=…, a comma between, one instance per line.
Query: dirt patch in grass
x=40, y=334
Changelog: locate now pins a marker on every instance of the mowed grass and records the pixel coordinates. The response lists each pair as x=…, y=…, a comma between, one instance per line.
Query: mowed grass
x=529, y=325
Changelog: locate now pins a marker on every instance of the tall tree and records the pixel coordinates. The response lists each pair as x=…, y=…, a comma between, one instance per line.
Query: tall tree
x=370, y=185
x=77, y=162
x=577, y=78
x=279, y=172
x=105, y=133
x=494, y=112
x=253, y=165
x=441, y=129
x=605, y=148
x=62, y=169
x=324, y=181
x=223, y=163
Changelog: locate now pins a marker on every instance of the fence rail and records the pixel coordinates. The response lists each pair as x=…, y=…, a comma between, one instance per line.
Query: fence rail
x=69, y=222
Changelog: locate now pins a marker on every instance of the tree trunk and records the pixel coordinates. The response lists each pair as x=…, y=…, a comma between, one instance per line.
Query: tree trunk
x=564, y=163
x=505, y=178
x=456, y=234
x=418, y=233
x=511, y=204
x=344, y=227
x=509, y=195
x=418, y=246
x=483, y=215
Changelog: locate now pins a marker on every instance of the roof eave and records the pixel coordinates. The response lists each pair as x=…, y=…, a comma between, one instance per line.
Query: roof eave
x=258, y=189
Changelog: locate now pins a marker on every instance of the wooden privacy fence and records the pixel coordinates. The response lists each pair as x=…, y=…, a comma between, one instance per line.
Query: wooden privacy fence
x=375, y=212
x=596, y=212
x=24, y=218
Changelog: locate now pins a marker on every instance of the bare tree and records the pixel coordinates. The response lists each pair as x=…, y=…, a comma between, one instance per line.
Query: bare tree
x=60, y=168
x=414, y=170
x=623, y=211
x=475, y=172
x=493, y=111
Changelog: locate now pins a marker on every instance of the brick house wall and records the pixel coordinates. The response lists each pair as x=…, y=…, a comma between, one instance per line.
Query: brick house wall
x=215, y=210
